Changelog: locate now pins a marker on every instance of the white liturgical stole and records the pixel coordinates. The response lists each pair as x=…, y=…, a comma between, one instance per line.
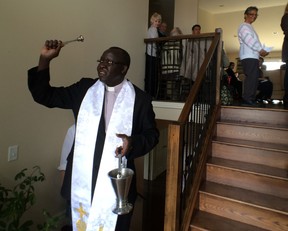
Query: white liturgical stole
x=98, y=215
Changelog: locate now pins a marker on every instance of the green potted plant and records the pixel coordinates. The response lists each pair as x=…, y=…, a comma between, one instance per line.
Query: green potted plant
x=16, y=201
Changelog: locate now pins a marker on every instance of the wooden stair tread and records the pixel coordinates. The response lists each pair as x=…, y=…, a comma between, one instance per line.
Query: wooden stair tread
x=255, y=108
x=207, y=221
x=252, y=144
x=269, y=202
x=263, y=115
x=248, y=167
x=252, y=124
x=248, y=190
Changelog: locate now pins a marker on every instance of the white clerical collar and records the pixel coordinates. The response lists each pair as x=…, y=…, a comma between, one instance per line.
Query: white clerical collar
x=115, y=89
x=110, y=88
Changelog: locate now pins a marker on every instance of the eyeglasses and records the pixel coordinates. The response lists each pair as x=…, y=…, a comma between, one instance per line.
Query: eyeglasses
x=256, y=15
x=109, y=62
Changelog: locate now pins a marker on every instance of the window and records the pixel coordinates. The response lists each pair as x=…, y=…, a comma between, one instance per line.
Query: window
x=273, y=65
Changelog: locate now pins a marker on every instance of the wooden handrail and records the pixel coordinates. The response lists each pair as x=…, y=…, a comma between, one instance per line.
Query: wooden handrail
x=173, y=174
x=179, y=37
x=192, y=199
x=175, y=217
x=196, y=86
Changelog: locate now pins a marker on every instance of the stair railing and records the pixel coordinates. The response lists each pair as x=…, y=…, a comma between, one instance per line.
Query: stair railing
x=189, y=139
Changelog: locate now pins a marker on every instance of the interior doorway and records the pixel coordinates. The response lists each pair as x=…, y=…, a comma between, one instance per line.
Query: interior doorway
x=166, y=9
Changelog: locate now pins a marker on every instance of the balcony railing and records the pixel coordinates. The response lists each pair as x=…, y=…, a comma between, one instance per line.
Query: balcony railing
x=172, y=65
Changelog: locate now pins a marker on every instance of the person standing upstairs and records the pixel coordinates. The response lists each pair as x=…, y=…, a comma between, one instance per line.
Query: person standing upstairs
x=152, y=61
x=250, y=51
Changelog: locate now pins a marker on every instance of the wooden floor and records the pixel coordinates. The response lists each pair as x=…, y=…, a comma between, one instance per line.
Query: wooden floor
x=148, y=213
x=276, y=104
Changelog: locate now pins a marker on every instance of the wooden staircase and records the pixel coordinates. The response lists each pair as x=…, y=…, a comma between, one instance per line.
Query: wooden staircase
x=246, y=184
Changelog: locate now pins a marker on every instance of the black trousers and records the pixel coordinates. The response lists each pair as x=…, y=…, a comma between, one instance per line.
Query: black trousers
x=250, y=83
x=151, y=75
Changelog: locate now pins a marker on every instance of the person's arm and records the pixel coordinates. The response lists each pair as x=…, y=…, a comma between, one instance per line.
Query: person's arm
x=49, y=51
x=39, y=77
x=39, y=82
x=66, y=149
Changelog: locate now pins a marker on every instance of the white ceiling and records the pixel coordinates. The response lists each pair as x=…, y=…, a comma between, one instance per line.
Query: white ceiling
x=267, y=25
x=224, y=6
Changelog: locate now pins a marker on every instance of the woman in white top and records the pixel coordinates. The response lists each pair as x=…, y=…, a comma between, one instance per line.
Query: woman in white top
x=250, y=51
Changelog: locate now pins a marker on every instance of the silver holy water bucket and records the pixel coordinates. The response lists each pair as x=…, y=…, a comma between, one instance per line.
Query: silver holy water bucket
x=121, y=179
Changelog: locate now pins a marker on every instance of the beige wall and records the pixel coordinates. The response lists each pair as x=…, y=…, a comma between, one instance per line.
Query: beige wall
x=206, y=21
x=186, y=14
x=24, y=26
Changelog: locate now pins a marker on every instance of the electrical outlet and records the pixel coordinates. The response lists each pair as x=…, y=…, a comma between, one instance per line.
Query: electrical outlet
x=13, y=152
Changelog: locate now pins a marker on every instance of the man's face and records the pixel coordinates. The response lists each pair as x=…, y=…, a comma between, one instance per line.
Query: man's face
x=163, y=27
x=196, y=30
x=111, y=70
